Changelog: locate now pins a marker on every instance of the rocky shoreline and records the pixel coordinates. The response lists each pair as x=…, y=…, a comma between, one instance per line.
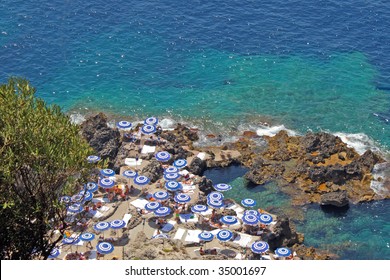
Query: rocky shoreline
x=315, y=168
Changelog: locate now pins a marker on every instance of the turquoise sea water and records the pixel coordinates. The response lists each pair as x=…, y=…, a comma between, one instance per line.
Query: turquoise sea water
x=223, y=65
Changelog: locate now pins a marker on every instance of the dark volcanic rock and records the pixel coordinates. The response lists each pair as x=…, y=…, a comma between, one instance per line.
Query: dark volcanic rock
x=326, y=143
x=333, y=173
x=263, y=171
x=197, y=166
x=283, y=235
x=104, y=140
x=153, y=171
x=339, y=199
x=206, y=185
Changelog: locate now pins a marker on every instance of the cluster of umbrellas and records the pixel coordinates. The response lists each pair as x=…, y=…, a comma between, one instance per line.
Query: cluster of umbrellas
x=75, y=203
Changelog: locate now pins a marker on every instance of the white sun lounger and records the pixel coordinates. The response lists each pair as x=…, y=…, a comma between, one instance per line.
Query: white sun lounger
x=186, y=218
x=126, y=218
x=148, y=149
x=139, y=203
x=193, y=236
x=100, y=199
x=188, y=187
x=104, y=208
x=168, y=226
x=133, y=162
x=179, y=233
x=243, y=240
x=208, y=212
x=95, y=214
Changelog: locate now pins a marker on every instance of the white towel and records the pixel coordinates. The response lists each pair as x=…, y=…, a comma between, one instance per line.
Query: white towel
x=201, y=156
x=148, y=149
x=193, y=236
x=188, y=187
x=243, y=240
x=126, y=218
x=179, y=233
x=104, y=209
x=133, y=162
x=139, y=203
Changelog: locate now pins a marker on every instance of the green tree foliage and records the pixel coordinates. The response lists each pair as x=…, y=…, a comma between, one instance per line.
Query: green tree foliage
x=42, y=157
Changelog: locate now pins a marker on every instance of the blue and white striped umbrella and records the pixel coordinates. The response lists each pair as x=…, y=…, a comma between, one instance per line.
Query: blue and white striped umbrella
x=182, y=198
x=252, y=212
x=86, y=236
x=224, y=235
x=171, y=169
x=250, y=219
x=180, y=163
x=106, y=183
x=163, y=156
x=101, y=226
x=71, y=240
x=107, y=172
x=77, y=198
x=265, y=219
x=160, y=236
x=206, y=236
x=173, y=186
x=248, y=202
x=148, y=129
x=229, y=220
x=162, y=211
x=283, y=252
x=215, y=196
x=65, y=199
x=117, y=224
x=171, y=176
x=129, y=174
x=86, y=195
x=93, y=159
x=215, y=203
x=259, y=247
x=141, y=180
x=199, y=208
x=54, y=253
x=153, y=205
x=151, y=121
x=104, y=248
x=91, y=187
x=222, y=187
x=124, y=125
x=161, y=195
x=75, y=208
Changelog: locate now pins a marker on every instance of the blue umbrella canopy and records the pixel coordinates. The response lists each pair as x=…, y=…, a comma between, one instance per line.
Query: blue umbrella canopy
x=224, y=235
x=151, y=121
x=259, y=247
x=283, y=252
x=91, y=187
x=248, y=202
x=153, y=205
x=171, y=176
x=87, y=236
x=86, y=195
x=105, y=248
x=161, y=235
x=161, y=195
x=206, y=236
x=65, y=199
x=129, y=174
x=229, y=220
x=54, y=253
x=173, y=186
x=215, y=203
x=141, y=180
x=180, y=163
x=199, y=208
x=265, y=219
x=171, y=169
x=117, y=224
x=163, y=156
x=251, y=212
x=71, y=240
x=250, y=219
x=222, y=187
x=148, y=129
x=182, y=198
x=107, y=172
x=93, y=159
x=124, y=125
x=215, y=196
x=106, y=183
x=101, y=226
x=162, y=211
x=75, y=208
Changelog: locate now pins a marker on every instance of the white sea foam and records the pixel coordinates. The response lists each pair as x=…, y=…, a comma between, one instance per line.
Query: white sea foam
x=77, y=118
x=359, y=141
x=273, y=130
x=167, y=124
x=381, y=181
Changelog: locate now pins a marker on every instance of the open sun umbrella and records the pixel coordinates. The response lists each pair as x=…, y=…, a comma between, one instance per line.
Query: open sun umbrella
x=215, y=196
x=206, y=236
x=250, y=219
x=54, y=253
x=75, y=208
x=252, y=212
x=265, y=219
x=215, y=203
x=93, y=159
x=182, y=198
x=65, y=199
x=173, y=186
x=163, y=156
x=107, y=172
x=161, y=195
x=171, y=176
x=141, y=180
x=87, y=236
x=105, y=248
x=283, y=252
x=117, y=224
x=101, y=226
x=222, y=187
x=129, y=174
x=148, y=129
x=91, y=187
x=125, y=125
x=151, y=121
x=224, y=235
x=228, y=220
x=248, y=202
x=259, y=247
x=180, y=163
x=199, y=208
x=160, y=236
x=171, y=169
x=162, y=211
x=152, y=206
x=106, y=183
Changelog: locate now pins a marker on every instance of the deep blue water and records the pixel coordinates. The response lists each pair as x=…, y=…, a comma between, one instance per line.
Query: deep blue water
x=307, y=65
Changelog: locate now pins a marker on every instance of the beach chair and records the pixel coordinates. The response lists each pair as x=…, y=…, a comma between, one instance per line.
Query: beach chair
x=179, y=233
x=148, y=149
x=168, y=226
x=139, y=203
x=201, y=156
x=243, y=240
x=186, y=218
x=192, y=236
x=126, y=218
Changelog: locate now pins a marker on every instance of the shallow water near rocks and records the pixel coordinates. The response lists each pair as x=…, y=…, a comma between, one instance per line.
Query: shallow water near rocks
x=358, y=232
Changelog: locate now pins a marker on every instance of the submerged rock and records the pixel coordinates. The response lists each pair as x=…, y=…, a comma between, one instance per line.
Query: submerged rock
x=338, y=199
